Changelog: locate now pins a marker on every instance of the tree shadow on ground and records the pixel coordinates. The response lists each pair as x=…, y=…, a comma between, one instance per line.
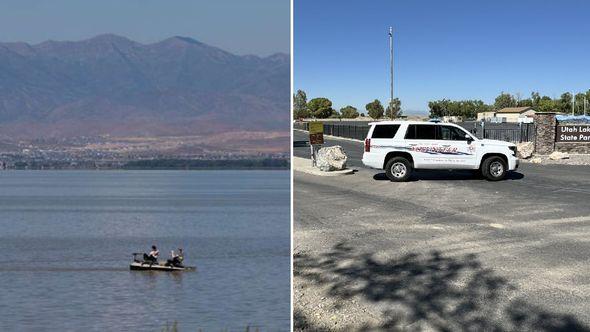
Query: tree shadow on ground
x=425, y=291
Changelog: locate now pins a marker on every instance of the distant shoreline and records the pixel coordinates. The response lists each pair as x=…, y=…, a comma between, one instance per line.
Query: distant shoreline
x=143, y=169
x=161, y=164
x=202, y=169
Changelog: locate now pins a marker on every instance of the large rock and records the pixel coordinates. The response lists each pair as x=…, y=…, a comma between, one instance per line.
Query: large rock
x=331, y=158
x=556, y=155
x=525, y=150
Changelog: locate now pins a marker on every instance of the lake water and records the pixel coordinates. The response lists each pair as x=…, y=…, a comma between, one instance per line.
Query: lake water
x=66, y=239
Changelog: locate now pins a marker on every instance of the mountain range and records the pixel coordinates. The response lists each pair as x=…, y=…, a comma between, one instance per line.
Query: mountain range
x=110, y=85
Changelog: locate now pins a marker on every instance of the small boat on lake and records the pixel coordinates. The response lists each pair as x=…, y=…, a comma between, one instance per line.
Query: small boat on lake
x=140, y=264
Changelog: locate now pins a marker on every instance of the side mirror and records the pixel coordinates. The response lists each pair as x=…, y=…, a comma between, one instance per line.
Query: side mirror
x=468, y=138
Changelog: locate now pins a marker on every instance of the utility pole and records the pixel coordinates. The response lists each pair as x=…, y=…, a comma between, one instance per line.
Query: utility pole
x=391, y=70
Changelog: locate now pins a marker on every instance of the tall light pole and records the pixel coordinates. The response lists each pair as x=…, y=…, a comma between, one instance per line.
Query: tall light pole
x=391, y=70
x=573, y=102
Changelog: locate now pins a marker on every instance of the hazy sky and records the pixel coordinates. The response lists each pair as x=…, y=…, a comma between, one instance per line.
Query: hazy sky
x=443, y=49
x=244, y=27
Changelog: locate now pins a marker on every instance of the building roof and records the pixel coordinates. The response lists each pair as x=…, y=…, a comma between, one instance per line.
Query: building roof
x=514, y=110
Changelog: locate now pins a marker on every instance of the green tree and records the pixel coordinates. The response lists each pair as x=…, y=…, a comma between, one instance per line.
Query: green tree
x=349, y=112
x=473, y=107
x=335, y=115
x=467, y=109
x=525, y=103
x=438, y=108
x=504, y=100
x=375, y=109
x=320, y=108
x=535, y=98
x=396, y=106
x=546, y=104
x=579, y=106
x=300, y=105
x=587, y=102
x=565, y=102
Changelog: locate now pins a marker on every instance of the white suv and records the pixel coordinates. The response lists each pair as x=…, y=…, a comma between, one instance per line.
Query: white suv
x=398, y=147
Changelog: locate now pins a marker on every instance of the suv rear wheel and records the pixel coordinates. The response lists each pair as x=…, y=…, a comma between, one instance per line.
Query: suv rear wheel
x=494, y=168
x=398, y=169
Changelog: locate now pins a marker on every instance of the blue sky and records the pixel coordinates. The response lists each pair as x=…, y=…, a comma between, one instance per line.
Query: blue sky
x=244, y=27
x=443, y=49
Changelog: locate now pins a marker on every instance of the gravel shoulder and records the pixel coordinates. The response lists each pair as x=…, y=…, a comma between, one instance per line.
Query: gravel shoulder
x=572, y=159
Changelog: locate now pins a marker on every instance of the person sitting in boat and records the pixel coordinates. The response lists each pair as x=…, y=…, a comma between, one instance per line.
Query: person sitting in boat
x=152, y=256
x=176, y=259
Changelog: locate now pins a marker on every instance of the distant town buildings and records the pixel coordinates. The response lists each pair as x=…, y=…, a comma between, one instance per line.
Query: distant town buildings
x=116, y=154
x=452, y=118
x=508, y=114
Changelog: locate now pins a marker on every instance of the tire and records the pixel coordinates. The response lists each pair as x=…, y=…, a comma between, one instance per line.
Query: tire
x=494, y=168
x=398, y=169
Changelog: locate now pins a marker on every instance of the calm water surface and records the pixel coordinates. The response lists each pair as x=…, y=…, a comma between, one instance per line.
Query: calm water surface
x=66, y=239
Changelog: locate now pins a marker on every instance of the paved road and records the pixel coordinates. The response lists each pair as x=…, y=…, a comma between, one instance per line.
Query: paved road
x=444, y=251
x=563, y=178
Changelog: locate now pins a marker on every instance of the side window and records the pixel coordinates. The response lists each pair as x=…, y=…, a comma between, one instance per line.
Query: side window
x=384, y=131
x=450, y=133
x=421, y=132
x=411, y=133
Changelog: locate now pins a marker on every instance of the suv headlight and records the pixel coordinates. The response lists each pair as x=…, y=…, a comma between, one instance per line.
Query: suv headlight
x=513, y=148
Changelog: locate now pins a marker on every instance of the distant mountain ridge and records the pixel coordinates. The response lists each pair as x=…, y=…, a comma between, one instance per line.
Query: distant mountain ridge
x=111, y=85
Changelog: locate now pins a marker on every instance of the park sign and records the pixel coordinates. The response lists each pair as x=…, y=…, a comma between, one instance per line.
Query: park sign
x=573, y=133
x=316, y=133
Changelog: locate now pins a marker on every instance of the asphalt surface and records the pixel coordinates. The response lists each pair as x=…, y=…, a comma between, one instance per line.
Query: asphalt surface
x=445, y=251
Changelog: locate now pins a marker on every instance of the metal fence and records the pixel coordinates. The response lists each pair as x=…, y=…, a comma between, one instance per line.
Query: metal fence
x=510, y=132
x=349, y=130
x=300, y=125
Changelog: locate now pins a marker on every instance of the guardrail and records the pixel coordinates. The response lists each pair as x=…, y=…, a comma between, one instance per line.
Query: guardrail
x=509, y=132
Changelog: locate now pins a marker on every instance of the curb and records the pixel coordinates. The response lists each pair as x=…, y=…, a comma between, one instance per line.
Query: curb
x=304, y=165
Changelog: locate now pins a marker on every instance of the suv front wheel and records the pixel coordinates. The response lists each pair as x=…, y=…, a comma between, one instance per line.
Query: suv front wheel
x=494, y=168
x=398, y=169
